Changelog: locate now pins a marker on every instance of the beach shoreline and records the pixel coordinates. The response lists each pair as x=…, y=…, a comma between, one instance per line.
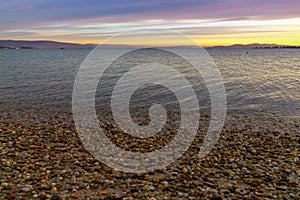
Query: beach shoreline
x=256, y=157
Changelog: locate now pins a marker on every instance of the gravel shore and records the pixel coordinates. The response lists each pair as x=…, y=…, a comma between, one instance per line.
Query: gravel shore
x=256, y=157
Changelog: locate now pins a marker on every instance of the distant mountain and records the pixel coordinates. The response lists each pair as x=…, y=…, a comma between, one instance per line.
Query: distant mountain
x=42, y=44
x=252, y=46
x=256, y=46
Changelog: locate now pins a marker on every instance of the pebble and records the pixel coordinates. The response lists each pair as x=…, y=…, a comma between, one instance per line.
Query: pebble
x=44, y=187
x=185, y=170
x=26, y=189
x=123, y=186
x=282, y=187
x=4, y=185
x=151, y=187
x=161, y=186
x=54, y=189
x=165, y=183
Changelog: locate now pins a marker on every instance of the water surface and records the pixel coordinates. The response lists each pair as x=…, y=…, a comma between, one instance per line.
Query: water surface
x=257, y=81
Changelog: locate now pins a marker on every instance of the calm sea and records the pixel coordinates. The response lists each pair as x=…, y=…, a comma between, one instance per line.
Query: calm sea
x=263, y=81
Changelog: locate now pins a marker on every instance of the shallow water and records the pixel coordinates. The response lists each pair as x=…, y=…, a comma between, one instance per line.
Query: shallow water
x=263, y=81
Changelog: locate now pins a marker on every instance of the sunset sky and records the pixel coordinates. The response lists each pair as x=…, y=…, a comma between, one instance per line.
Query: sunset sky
x=208, y=22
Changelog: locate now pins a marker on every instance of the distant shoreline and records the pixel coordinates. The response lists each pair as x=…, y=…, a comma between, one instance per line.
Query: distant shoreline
x=43, y=44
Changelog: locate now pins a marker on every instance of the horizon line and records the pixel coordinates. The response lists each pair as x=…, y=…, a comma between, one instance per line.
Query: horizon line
x=122, y=44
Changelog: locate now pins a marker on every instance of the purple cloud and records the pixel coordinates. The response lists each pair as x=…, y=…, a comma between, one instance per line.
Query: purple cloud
x=27, y=14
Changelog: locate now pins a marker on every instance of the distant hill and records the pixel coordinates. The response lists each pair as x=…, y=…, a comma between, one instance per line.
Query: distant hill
x=256, y=46
x=43, y=44
x=23, y=44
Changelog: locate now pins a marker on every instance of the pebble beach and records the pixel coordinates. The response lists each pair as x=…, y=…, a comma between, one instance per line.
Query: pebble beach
x=256, y=157
x=150, y=100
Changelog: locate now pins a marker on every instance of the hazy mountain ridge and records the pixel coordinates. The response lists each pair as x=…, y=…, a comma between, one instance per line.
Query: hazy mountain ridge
x=256, y=46
x=44, y=44
x=41, y=44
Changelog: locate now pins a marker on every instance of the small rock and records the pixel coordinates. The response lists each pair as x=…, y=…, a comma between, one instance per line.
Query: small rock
x=128, y=198
x=282, y=187
x=44, y=187
x=55, y=197
x=123, y=186
x=54, y=189
x=258, y=181
x=165, y=183
x=185, y=170
x=243, y=192
x=186, y=195
x=4, y=185
x=26, y=189
x=272, y=188
x=213, y=191
x=151, y=188
x=43, y=194
x=82, y=185
x=161, y=186
x=108, y=182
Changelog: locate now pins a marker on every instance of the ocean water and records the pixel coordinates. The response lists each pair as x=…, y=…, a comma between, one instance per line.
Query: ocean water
x=257, y=81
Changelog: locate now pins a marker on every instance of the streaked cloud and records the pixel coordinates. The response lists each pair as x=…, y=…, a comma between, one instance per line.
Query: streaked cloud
x=214, y=21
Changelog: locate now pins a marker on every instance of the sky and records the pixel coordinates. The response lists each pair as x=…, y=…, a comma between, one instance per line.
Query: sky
x=208, y=22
